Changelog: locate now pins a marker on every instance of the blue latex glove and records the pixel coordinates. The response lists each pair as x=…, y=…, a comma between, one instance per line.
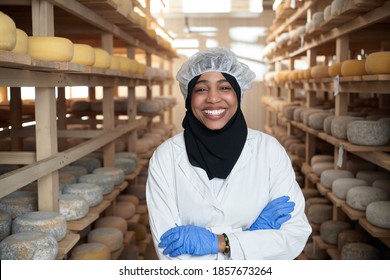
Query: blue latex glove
x=188, y=239
x=274, y=214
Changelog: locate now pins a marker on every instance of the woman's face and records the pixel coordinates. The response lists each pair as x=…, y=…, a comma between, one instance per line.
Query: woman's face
x=213, y=100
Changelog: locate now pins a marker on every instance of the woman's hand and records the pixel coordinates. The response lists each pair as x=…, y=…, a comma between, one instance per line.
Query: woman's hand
x=189, y=239
x=274, y=214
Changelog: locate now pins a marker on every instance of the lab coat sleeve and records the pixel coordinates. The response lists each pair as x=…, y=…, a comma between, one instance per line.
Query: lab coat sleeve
x=289, y=241
x=161, y=198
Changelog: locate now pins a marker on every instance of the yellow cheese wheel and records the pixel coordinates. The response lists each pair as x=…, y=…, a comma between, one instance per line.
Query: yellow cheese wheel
x=378, y=63
x=319, y=71
x=7, y=32
x=112, y=221
x=112, y=237
x=102, y=58
x=334, y=70
x=83, y=54
x=124, y=64
x=21, y=45
x=50, y=48
x=115, y=63
x=307, y=74
x=353, y=67
x=91, y=251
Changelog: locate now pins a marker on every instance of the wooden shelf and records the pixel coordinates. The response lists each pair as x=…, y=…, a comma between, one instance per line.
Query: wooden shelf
x=100, y=208
x=65, y=245
x=140, y=164
x=323, y=191
x=380, y=233
x=80, y=224
x=318, y=242
x=353, y=214
x=334, y=253
x=335, y=200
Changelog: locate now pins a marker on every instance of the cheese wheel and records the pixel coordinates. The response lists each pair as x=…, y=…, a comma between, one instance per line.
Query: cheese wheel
x=41, y=221
x=383, y=184
x=130, y=252
x=329, y=176
x=126, y=164
x=125, y=64
x=139, y=190
x=316, y=120
x=329, y=230
x=91, y=251
x=319, y=71
x=7, y=32
x=96, y=106
x=148, y=106
x=378, y=63
x=308, y=112
x=76, y=170
x=328, y=124
x=321, y=158
x=372, y=175
x=140, y=231
x=353, y=67
x=83, y=54
x=116, y=173
x=112, y=237
x=30, y=245
x=315, y=254
x=112, y=221
x=368, y=133
x=21, y=45
x=90, y=163
x=334, y=70
x=80, y=105
x=92, y=193
x=128, y=197
x=315, y=200
x=339, y=126
x=327, y=12
x=378, y=214
x=124, y=209
x=351, y=236
x=130, y=155
x=50, y=48
x=5, y=224
x=319, y=213
x=336, y=7
x=19, y=202
x=360, y=251
x=102, y=58
x=115, y=62
x=359, y=197
x=105, y=182
x=341, y=186
x=72, y=207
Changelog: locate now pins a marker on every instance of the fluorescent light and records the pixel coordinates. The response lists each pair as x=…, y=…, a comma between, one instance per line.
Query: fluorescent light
x=206, y=6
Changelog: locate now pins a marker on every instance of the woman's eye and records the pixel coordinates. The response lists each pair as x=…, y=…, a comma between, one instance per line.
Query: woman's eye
x=200, y=90
x=225, y=88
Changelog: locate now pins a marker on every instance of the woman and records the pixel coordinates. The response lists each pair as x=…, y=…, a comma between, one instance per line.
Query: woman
x=220, y=190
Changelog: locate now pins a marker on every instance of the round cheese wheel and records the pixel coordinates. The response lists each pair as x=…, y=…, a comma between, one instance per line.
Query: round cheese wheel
x=41, y=221
x=334, y=70
x=50, y=48
x=315, y=254
x=92, y=193
x=360, y=251
x=307, y=113
x=370, y=176
x=139, y=190
x=336, y=7
x=112, y=237
x=319, y=71
x=328, y=124
x=341, y=186
x=21, y=45
x=91, y=251
x=329, y=230
x=329, y=176
x=319, y=213
x=378, y=63
x=73, y=207
x=76, y=170
x=102, y=58
x=310, y=192
x=140, y=231
x=125, y=64
x=316, y=120
x=112, y=221
x=66, y=179
x=315, y=200
x=105, y=182
x=126, y=164
x=130, y=155
x=128, y=197
x=80, y=105
x=378, y=213
x=7, y=32
x=130, y=252
x=383, y=184
x=359, y=197
x=90, y=163
x=5, y=224
x=353, y=67
x=351, y=236
x=124, y=209
x=368, y=133
x=321, y=158
x=340, y=124
x=19, y=202
x=142, y=146
x=116, y=173
x=115, y=62
x=148, y=106
x=83, y=54
x=29, y=245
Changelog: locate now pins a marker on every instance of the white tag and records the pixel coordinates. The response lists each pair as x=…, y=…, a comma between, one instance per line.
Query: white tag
x=292, y=4
x=340, y=156
x=302, y=41
x=336, y=85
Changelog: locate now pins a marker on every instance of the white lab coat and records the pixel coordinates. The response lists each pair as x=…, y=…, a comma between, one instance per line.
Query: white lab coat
x=178, y=193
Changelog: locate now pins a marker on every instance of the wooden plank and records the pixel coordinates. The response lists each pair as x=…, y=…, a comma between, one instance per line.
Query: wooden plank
x=323, y=190
x=129, y=238
x=98, y=209
x=374, y=230
x=140, y=164
x=133, y=220
x=320, y=244
x=17, y=157
x=66, y=244
x=379, y=158
x=112, y=195
x=334, y=253
x=335, y=200
x=122, y=186
x=353, y=214
x=80, y=224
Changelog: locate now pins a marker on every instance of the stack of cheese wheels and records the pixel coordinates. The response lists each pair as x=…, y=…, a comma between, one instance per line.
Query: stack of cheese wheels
x=102, y=58
x=378, y=214
x=353, y=67
x=72, y=207
x=315, y=254
x=351, y=236
x=76, y=170
x=50, y=48
x=41, y=221
x=105, y=182
x=29, y=245
x=110, y=236
x=65, y=179
x=368, y=133
x=341, y=186
x=316, y=120
x=112, y=221
x=319, y=213
x=378, y=63
x=21, y=45
x=383, y=184
x=126, y=164
x=315, y=200
x=83, y=54
x=92, y=193
x=124, y=209
x=334, y=70
x=339, y=126
x=19, y=202
x=359, y=197
x=7, y=32
x=116, y=173
x=329, y=176
x=90, y=163
x=308, y=112
x=319, y=71
x=370, y=176
x=5, y=224
x=360, y=251
x=329, y=230
x=91, y=251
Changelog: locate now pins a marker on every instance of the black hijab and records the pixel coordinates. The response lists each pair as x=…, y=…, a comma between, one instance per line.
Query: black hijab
x=215, y=151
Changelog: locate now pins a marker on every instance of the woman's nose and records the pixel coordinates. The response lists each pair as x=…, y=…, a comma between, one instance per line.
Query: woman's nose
x=213, y=96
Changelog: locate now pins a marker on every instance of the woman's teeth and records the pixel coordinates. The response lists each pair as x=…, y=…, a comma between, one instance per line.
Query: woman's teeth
x=214, y=112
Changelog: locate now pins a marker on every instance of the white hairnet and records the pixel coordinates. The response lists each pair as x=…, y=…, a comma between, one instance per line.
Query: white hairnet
x=215, y=59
